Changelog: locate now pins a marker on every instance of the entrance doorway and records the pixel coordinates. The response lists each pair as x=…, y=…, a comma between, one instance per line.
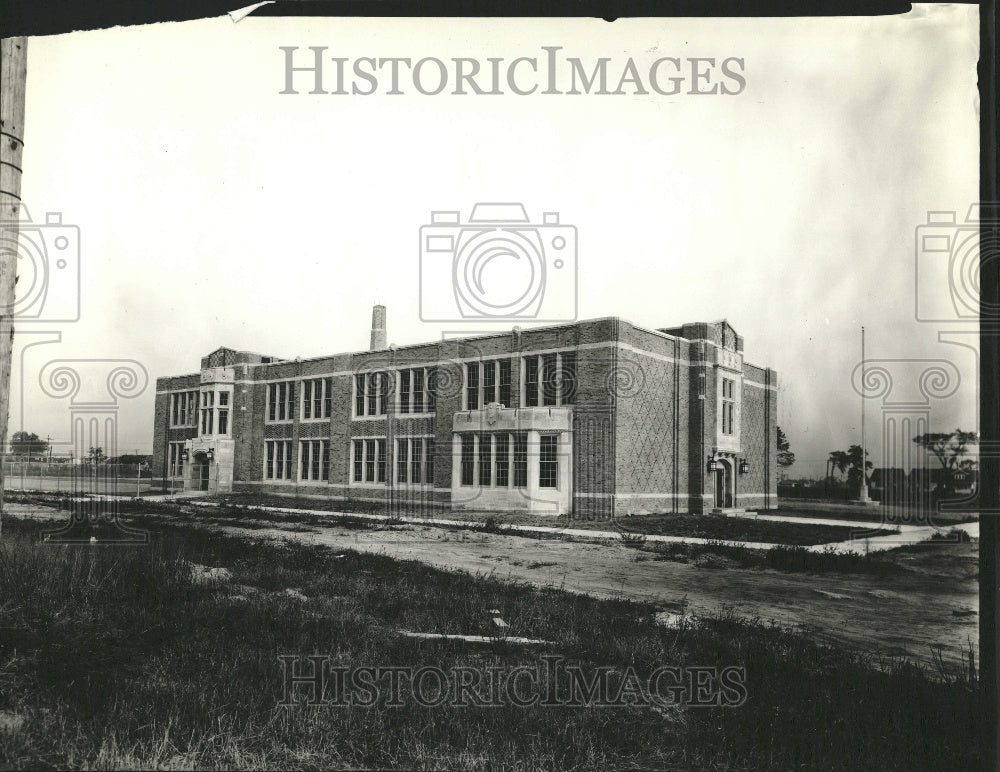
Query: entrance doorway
x=201, y=475
x=724, y=494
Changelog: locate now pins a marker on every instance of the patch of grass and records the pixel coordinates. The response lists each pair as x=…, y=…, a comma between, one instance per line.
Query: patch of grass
x=115, y=658
x=791, y=559
x=723, y=528
x=633, y=540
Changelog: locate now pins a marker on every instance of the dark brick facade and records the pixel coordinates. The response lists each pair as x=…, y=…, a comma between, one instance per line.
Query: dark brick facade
x=645, y=419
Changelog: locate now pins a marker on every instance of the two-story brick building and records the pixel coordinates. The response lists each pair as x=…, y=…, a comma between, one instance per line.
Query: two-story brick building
x=595, y=418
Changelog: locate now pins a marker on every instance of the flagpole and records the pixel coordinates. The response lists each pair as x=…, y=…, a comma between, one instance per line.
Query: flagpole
x=863, y=492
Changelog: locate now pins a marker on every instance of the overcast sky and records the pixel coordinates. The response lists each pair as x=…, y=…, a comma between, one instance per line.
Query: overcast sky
x=214, y=210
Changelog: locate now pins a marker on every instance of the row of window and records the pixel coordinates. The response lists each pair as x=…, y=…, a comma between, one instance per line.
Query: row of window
x=208, y=410
x=176, y=460
x=414, y=460
x=214, y=417
x=500, y=460
x=489, y=459
x=183, y=408
x=312, y=464
x=549, y=379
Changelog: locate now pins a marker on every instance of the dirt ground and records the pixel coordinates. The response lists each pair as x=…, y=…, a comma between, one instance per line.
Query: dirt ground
x=926, y=607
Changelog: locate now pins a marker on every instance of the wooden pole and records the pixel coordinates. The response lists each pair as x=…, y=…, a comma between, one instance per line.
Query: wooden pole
x=13, y=73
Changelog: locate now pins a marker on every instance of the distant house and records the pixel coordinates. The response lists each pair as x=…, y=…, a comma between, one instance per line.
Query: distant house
x=929, y=481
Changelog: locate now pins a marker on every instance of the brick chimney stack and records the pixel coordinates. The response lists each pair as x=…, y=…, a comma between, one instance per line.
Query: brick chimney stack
x=379, y=341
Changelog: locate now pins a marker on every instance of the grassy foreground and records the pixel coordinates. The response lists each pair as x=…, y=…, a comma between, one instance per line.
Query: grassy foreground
x=119, y=657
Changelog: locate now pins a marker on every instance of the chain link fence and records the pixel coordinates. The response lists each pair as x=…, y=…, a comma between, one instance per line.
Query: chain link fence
x=122, y=479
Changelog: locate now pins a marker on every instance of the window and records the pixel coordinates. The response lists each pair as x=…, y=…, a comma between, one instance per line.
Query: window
x=359, y=460
x=214, y=411
x=370, y=394
x=548, y=462
x=412, y=460
x=568, y=371
x=278, y=460
x=176, y=462
x=501, y=459
x=314, y=460
x=431, y=389
x=207, y=412
x=417, y=460
x=487, y=381
x=504, y=396
x=316, y=399
x=472, y=386
x=728, y=405
x=429, y=462
x=468, y=458
x=550, y=379
x=415, y=394
x=418, y=391
x=279, y=401
x=485, y=459
x=380, y=468
x=359, y=394
x=404, y=391
x=402, y=460
x=182, y=408
x=374, y=388
x=369, y=461
x=520, y=460
x=530, y=382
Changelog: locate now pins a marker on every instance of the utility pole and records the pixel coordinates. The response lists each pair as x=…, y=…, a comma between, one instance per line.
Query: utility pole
x=13, y=74
x=863, y=492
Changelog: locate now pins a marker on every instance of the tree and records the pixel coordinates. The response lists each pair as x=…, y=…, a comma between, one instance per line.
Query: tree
x=854, y=455
x=95, y=455
x=840, y=461
x=950, y=449
x=848, y=463
x=24, y=444
x=785, y=456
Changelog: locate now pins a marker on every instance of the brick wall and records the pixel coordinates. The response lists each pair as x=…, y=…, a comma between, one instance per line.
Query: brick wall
x=162, y=433
x=760, y=438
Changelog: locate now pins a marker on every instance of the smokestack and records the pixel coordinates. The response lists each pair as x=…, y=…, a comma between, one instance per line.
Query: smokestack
x=378, y=328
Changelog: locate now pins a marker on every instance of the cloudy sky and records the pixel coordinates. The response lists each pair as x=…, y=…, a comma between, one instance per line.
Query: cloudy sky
x=214, y=210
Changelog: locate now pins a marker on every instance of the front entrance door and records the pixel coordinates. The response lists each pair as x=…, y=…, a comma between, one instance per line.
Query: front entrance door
x=724, y=485
x=202, y=477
